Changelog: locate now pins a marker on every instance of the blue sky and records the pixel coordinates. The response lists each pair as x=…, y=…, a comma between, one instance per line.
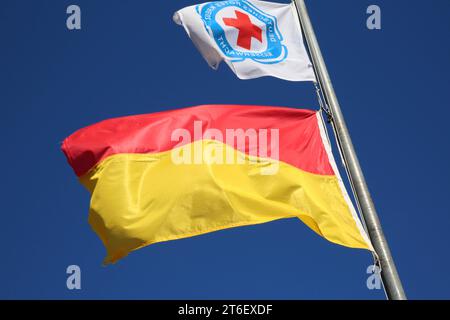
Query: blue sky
x=130, y=58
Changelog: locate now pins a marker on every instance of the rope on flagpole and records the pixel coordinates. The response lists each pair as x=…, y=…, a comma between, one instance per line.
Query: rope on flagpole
x=323, y=106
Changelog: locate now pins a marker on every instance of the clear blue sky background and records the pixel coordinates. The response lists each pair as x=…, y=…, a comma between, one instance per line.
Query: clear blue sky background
x=130, y=58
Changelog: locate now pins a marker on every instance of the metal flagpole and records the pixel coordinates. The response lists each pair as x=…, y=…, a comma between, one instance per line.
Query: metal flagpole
x=389, y=275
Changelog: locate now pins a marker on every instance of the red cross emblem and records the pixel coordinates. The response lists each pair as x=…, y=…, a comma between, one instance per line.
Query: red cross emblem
x=247, y=30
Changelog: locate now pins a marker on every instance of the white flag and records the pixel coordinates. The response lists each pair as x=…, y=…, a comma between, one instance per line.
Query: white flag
x=255, y=38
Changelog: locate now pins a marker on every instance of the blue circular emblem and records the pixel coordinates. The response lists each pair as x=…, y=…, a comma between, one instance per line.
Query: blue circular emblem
x=243, y=31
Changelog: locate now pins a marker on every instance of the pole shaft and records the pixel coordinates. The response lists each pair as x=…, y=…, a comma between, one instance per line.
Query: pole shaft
x=389, y=275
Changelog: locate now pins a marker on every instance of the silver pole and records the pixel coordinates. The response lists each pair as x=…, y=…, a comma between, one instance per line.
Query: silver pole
x=389, y=275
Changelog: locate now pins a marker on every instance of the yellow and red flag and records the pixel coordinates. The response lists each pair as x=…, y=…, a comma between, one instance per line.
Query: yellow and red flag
x=185, y=172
